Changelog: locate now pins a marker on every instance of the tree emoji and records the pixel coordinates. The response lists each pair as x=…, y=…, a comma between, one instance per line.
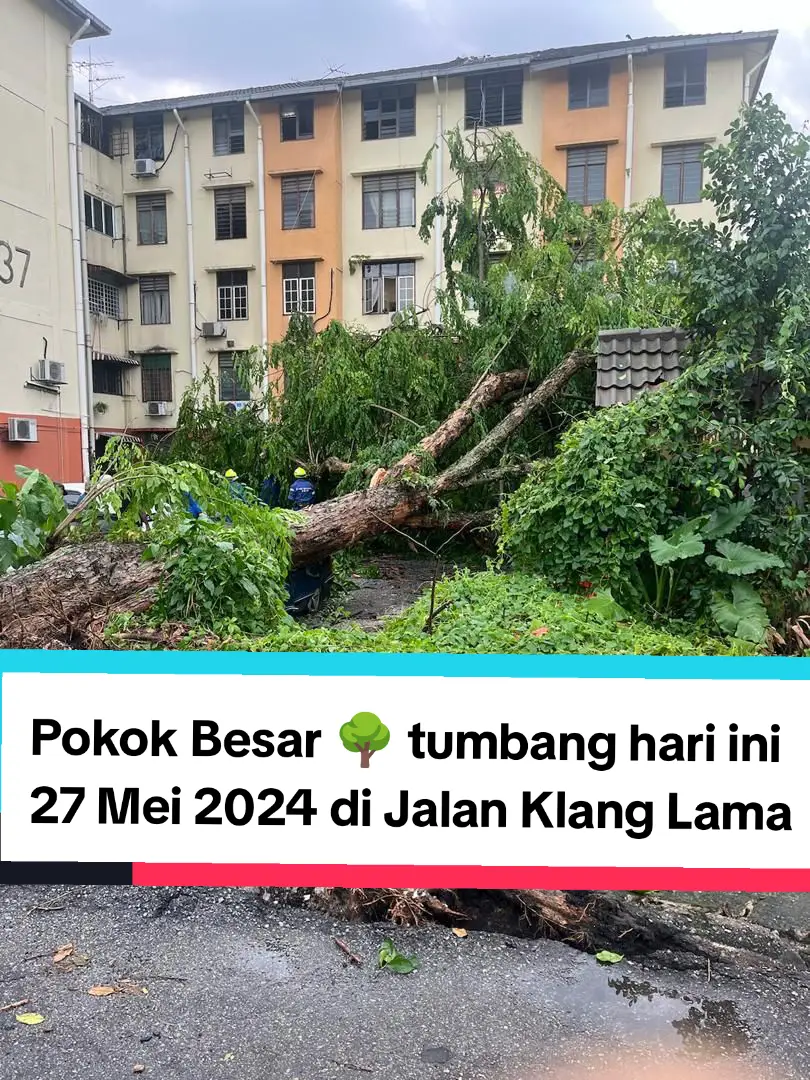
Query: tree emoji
x=365, y=734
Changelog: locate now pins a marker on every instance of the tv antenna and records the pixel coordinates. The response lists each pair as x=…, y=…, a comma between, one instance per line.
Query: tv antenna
x=90, y=68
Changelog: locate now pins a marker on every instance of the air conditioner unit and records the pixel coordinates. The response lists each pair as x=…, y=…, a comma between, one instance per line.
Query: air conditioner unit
x=214, y=329
x=145, y=166
x=158, y=408
x=50, y=371
x=20, y=430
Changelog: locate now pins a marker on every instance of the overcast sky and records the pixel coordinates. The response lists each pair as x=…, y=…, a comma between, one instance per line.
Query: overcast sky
x=174, y=47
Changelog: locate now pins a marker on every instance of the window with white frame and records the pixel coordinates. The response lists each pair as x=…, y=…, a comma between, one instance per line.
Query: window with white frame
x=103, y=298
x=232, y=295
x=685, y=79
x=99, y=215
x=388, y=287
x=389, y=201
x=298, y=284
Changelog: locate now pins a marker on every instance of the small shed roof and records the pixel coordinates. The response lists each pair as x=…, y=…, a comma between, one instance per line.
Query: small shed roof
x=631, y=361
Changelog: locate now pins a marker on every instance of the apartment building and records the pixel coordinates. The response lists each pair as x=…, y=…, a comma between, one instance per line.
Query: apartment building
x=43, y=403
x=206, y=222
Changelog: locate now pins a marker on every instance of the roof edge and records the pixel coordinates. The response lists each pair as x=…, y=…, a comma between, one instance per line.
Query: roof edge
x=533, y=61
x=97, y=28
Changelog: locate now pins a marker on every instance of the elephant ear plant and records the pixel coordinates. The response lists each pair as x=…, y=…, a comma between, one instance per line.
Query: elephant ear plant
x=736, y=606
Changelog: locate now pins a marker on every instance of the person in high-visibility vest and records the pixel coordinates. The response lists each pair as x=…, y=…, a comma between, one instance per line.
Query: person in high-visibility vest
x=237, y=489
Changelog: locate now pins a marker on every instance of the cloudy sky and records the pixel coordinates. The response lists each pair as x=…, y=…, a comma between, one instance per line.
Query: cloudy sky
x=175, y=47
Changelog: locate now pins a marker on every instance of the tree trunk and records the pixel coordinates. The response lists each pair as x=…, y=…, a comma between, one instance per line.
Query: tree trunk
x=365, y=756
x=56, y=602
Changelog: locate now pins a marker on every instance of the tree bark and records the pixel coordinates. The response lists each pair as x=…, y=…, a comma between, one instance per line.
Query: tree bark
x=486, y=392
x=468, y=464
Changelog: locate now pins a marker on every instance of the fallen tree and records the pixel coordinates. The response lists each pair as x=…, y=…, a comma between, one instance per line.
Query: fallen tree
x=65, y=599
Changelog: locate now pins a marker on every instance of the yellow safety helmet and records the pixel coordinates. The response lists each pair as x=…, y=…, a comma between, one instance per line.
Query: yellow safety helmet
x=300, y=473
x=230, y=475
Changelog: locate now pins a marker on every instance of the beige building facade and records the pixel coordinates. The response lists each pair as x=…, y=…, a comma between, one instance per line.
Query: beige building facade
x=43, y=401
x=204, y=223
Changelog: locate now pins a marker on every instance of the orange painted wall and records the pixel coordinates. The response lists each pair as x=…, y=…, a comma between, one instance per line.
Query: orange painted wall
x=563, y=126
x=58, y=453
x=324, y=241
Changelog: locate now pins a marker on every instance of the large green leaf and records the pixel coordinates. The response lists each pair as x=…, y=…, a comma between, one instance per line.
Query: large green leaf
x=725, y=521
x=744, y=615
x=739, y=559
x=676, y=547
x=606, y=607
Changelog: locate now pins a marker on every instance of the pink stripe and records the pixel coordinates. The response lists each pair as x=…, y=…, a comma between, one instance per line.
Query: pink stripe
x=472, y=877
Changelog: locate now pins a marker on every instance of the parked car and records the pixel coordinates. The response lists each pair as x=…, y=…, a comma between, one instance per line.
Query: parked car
x=309, y=587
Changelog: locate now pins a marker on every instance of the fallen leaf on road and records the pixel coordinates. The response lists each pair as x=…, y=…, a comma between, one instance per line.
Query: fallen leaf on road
x=541, y=631
x=459, y=931
x=102, y=991
x=62, y=954
x=607, y=957
x=15, y=1005
x=138, y=1068
x=29, y=1018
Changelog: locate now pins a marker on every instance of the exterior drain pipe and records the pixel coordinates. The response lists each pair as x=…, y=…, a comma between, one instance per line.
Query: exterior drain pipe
x=192, y=299
x=750, y=74
x=439, y=221
x=78, y=288
x=630, y=135
x=262, y=241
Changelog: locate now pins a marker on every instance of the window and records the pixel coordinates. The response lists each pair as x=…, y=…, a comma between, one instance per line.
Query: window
x=389, y=112
x=96, y=131
x=99, y=215
x=232, y=295
x=298, y=283
x=587, y=174
x=388, y=287
x=103, y=299
x=230, y=389
x=155, y=308
x=389, y=201
x=297, y=120
x=156, y=377
x=230, y=213
x=148, y=136
x=681, y=173
x=151, y=214
x=228, y=122
x=685, y=79
x=108, y=378
x=494, y=100
x=298, y=201
x=588, y=86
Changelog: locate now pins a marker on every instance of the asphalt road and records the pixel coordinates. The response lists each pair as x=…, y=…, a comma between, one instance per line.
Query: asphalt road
x=240, y=989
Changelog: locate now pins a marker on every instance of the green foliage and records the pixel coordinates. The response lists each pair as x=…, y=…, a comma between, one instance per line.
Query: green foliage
x=28, y=516
x=215, y=436
x=492, y=613
x=744, y=615
x=494, y=199
x=391, y=959
x=228, y=567
x=674, y=464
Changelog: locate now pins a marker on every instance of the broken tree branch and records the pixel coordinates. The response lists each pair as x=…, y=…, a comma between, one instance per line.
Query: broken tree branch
x=548, y=388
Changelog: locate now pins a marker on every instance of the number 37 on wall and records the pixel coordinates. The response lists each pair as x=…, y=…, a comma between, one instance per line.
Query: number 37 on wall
x=13, y=264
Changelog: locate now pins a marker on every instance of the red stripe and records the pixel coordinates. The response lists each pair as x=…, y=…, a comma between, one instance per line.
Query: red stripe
x=472, y=877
